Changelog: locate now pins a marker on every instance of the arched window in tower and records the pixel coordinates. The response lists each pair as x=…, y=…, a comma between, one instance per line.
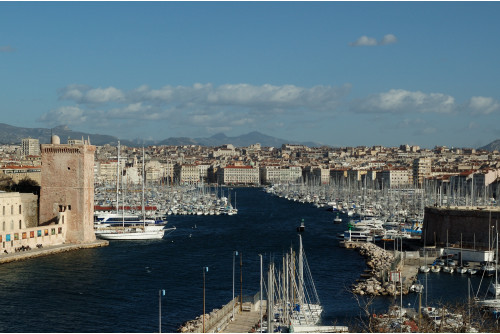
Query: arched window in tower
x=20, y=224
x=20, y=210
x=12, y=209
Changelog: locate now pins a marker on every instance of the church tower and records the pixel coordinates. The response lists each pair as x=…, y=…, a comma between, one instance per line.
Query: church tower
x=68, y=185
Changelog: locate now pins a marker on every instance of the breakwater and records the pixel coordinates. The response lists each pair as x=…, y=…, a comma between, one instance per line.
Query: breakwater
x=381, y=263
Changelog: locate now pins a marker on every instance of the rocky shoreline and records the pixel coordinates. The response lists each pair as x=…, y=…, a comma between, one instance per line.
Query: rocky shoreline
x=380, y=262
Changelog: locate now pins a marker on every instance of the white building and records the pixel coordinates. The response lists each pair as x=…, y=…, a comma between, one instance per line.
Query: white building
x=278, y=174
x=394, y=178
x=238, y=175
x=30, y=146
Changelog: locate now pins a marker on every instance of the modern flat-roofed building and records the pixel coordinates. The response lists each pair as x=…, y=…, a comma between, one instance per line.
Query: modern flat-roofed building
x=277, y=174
x=394, y=178
x=422, y=168
x=243, y=175
x=30, y=146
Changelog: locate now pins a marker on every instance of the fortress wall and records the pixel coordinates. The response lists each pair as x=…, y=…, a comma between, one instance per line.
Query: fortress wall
x=472, y=225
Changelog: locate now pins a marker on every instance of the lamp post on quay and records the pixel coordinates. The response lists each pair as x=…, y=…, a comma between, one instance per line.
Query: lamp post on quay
x=235, y=253
x=205, y=269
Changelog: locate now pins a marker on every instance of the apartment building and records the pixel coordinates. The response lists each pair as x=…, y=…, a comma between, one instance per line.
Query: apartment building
x=30, y=146
x=186, y=173
x=278, y=174
x=422, y=168
x=394, y=178
x=238, y=175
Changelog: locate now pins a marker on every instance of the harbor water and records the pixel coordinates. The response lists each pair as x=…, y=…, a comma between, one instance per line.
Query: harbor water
x=116, y=288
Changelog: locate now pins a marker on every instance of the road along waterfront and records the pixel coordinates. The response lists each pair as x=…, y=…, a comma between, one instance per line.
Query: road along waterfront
x=115, y=288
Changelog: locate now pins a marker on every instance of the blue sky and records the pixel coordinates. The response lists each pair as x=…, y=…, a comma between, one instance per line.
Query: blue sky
x=337, y=73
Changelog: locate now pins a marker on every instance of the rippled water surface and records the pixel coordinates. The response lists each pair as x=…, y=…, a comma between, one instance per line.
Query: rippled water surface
x=115, y=288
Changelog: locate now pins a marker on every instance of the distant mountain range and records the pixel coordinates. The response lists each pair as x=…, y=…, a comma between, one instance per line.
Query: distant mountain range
x=493, y=146
x=13, y=135
x=239, y=141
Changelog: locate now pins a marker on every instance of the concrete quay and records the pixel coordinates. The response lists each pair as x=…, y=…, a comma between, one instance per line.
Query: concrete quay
x=243, y=322
x=49, y=250
x=222, y=321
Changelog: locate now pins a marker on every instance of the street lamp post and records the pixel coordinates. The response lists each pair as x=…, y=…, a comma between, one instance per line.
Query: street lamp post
x=160, y=294
x=205, y=269
x=241, y=283
x=235, y=253
x=260, y=303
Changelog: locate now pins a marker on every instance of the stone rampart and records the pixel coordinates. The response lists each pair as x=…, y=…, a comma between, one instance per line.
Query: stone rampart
x=470, y=227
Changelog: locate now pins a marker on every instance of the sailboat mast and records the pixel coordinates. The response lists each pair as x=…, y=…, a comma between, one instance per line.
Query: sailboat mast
x=270, y=299
x=143, y=181
x=118, y=179
x=301, y=271
x=496, y=264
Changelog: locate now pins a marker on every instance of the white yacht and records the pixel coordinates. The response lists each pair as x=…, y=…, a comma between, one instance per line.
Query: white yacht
x=133, y=232
x=116, y=226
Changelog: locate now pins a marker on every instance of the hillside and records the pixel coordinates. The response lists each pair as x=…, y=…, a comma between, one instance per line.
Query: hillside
x=13, y=135
x=493, y=146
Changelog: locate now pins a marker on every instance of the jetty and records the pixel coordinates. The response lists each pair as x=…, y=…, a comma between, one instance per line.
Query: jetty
x=49, y=250
x=246, y=318
x=377, y=279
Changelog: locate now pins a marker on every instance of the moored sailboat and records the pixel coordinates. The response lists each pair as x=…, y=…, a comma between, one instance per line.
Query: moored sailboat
x=133, y=229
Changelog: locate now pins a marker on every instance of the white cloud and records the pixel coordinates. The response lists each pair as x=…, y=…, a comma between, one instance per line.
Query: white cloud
x=403, y=101
x=206, y=95
x=473, y=125
x=200, y=106
x=370, y=41
x=85, y=95
x=364, y=41
x=67, y=115
x=483, y=105
x=388, y=39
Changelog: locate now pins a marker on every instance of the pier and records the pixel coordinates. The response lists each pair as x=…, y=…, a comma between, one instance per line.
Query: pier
x=48, y=250
x=222, y=321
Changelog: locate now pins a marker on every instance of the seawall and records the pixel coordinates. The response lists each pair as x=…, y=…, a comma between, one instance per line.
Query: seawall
x=49, y=250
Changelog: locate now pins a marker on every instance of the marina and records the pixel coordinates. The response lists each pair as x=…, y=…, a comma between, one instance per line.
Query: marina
x=100, y=288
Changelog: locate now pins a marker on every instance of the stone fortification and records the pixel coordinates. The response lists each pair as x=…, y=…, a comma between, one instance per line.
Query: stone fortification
x=469, y=226
x=68, y=186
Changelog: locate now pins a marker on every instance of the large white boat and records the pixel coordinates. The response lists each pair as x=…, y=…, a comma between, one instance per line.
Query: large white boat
x=115, y=219
x=133, y=232
x=116, y=226
x=358, y=235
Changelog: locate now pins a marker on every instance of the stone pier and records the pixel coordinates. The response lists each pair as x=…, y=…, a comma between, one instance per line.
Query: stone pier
x=49, y=250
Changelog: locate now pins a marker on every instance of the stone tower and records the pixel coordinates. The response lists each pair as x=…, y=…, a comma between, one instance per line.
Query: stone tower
x=68, y=185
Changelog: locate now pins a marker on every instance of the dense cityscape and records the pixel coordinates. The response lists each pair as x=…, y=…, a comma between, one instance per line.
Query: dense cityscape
x=402, y=166
x=437, y=202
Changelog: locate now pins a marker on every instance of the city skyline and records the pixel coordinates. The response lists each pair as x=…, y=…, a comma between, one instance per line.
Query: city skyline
x=336, y=73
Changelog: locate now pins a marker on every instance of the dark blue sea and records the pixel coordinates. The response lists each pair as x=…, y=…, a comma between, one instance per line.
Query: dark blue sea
x=115, y=288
